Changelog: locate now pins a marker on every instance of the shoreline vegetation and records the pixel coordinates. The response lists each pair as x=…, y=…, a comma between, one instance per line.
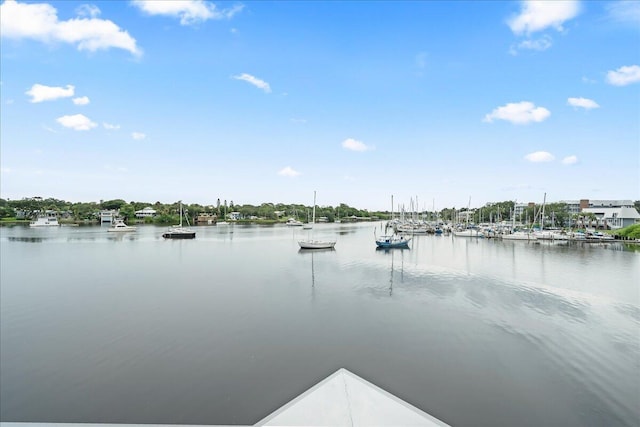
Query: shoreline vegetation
x=15, y=212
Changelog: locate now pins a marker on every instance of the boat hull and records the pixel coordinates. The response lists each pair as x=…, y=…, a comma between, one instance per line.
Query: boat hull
x=388, y=242
x=179, y=235
x=316, y=244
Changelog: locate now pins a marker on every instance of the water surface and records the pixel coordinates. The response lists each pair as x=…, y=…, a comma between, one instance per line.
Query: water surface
x=226, y=328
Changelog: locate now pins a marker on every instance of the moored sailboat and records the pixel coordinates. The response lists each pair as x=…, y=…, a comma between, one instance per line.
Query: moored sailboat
x=312, y=243
x=178, y=231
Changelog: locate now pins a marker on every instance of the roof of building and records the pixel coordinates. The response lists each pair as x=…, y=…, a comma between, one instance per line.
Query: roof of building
x=623, y=212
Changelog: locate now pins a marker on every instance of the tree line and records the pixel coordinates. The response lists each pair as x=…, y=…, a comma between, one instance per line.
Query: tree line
x=556, y=214
x=168, y=213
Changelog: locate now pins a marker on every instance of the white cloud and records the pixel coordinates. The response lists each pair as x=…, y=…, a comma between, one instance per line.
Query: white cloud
x=518, y=113
x=288, y=171
x=39, y=21
x=82, y=100
x=540, y=156
x=543, y=43
x=109, y=126
x=39, y=93
x=539, y=15
x=76, y=122
x=355, y=145
x=570, y=160
x=89, y=10
x=189, y=11
x=587, y=80
x=585, y=103
x=261, y=84
x=5, y=170
x=138, y=136
x=624, y=11
x=9, y=101
x=624, y=75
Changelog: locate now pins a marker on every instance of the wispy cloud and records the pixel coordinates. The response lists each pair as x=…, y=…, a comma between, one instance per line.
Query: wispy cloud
x=537, y=16
x=109, y=126
x=189, y=11
x=82, y=100
x=355, y=145
x=570, y=160
x=88, y=10
x=540, y=44
x=518, y=113
x=76, y=122
x=585, y=103
x=260, y=84
x=539, y=157
x=624, y=75
x=288, y=171
x=40, y=93
x=39, y=21
x=138, y=136
x=627, y=12
x=112, y=168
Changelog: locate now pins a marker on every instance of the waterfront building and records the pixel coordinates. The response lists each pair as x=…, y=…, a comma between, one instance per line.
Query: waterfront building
x=108, y=216
x=146, y=212
x=577, y=206
x=614, y=217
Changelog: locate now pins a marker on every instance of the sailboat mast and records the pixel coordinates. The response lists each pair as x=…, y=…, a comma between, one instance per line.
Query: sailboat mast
x=314, y=207
x=544, y=200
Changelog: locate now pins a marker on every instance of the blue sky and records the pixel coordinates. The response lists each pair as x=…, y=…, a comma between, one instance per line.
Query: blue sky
x=268, y=101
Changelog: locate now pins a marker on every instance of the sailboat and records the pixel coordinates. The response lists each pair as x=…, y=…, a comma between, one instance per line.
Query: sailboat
x=316, y=244
x=394, y=240
x=178, y=231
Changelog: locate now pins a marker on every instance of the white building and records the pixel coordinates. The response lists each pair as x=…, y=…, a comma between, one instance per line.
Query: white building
x=614, y=218
x=146, y=212
x=577, y=206
x=108, y=215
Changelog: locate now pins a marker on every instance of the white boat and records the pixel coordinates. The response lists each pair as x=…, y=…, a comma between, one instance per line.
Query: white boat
x=519, y=235
x=178, y=231
x=469, y=232
x=345, y=399
x=317, y=244
x=120, y=227
x=49, y=220
x=312, y=243
x=292, y=222
x=222, y=223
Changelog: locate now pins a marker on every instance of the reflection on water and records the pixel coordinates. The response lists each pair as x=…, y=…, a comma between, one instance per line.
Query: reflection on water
x=25, y=239
x=137, y=329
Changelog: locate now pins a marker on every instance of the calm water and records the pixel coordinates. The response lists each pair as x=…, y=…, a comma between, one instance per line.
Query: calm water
x=226, y=328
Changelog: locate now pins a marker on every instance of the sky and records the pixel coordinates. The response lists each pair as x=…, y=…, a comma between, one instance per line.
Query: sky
x=447, y=103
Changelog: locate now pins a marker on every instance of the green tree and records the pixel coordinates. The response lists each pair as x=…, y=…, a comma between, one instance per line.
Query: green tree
x=127, y=211
x=112, y=204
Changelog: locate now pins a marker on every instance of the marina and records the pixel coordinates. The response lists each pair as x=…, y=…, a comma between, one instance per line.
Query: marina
x=150, y=330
